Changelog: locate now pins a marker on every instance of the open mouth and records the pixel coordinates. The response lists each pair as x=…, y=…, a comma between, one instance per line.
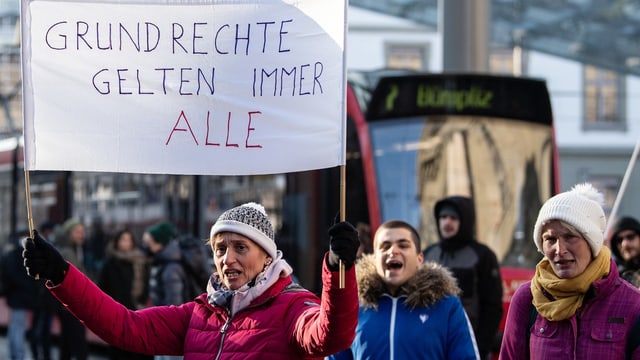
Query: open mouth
x=231, y=274
x=564, y=262
x=394, y=265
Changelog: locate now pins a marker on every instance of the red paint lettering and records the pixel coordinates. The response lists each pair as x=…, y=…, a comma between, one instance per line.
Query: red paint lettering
x=234, y=130
x=207, y=138
x=228, y=128
x=176, y=128
x=250, y=129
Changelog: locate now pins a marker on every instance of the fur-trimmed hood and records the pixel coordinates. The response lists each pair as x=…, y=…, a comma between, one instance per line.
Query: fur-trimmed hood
x=430, y=283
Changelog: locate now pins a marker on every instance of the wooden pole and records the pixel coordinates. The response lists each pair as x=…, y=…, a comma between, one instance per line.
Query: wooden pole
x=27, y=190
x=343, y=208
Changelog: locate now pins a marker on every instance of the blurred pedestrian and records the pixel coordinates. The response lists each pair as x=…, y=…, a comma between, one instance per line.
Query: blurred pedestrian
x=474, y=265
x=21, y=296
x=251, y=310
x=576, y=306
x=168, y=280
x=625, y=245
x=364, y=234
x=97, y=243
x=73, y=335
x=124, y=276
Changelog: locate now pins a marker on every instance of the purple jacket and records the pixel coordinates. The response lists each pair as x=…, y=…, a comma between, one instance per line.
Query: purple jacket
x=602, y=324
x=277, y=325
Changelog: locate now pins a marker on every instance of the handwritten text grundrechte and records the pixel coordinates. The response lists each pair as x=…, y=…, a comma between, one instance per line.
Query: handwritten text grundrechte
x=207, y=43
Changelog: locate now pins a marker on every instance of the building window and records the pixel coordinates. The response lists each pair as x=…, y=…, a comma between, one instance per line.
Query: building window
x=603, y=99
x=406, y=56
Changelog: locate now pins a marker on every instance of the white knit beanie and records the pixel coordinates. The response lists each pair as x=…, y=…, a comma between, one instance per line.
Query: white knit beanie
x=580, y=207
x=249, y=220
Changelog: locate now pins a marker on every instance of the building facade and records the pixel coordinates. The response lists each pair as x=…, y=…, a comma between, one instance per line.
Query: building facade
x=597, y=121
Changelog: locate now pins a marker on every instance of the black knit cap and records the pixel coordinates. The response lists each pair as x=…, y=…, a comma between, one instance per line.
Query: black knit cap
x=449, y=210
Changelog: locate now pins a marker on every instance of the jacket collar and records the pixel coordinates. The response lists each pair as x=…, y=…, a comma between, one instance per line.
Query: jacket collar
x=428, y=285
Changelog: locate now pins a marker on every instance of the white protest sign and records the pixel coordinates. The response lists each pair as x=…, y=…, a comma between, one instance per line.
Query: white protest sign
x=215, y=87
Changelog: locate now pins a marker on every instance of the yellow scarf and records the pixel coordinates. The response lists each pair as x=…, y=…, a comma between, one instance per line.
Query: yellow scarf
x=567, y=294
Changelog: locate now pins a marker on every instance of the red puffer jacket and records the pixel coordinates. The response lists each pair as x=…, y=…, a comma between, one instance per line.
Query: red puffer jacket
x=279, y=324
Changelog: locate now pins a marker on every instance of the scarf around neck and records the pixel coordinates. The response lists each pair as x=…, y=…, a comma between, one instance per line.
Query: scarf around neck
x=558, y=299
x=138, y=261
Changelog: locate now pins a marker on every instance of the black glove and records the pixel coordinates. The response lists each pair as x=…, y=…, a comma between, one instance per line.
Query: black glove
x=41, y=259
x=343, y=245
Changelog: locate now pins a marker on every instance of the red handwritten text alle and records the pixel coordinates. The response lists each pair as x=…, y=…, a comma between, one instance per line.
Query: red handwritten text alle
x=183, y=124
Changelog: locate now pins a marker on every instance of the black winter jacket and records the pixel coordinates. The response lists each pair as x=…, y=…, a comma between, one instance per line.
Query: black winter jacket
x=21, y=289
x=475, y=267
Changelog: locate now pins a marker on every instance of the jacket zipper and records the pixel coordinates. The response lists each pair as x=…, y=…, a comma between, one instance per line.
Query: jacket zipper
x=223, y=331
x=392, y=326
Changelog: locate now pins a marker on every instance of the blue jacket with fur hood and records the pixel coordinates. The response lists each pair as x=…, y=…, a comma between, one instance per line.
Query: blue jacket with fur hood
x=425, y=321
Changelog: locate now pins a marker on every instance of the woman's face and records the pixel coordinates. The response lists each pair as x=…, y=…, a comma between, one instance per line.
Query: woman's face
x=238, y=259
x=76, y=234
x=569, y=253
x=125, y=242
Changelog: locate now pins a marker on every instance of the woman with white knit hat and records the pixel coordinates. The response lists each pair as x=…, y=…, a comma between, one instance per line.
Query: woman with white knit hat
x=576, y=306
x=251, y=310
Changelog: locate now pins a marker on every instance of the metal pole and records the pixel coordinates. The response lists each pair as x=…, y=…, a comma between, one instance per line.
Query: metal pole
x=465, y=28
x=623, y=187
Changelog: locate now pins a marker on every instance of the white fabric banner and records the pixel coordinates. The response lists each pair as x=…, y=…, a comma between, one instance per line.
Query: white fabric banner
x=208, y=87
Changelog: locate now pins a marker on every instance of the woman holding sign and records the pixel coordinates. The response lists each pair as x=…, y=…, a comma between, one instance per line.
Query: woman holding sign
x=251, y=308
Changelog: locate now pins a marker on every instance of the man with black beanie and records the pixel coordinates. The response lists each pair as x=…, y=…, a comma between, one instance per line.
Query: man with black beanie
x=625, y=246
x=474, y=265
